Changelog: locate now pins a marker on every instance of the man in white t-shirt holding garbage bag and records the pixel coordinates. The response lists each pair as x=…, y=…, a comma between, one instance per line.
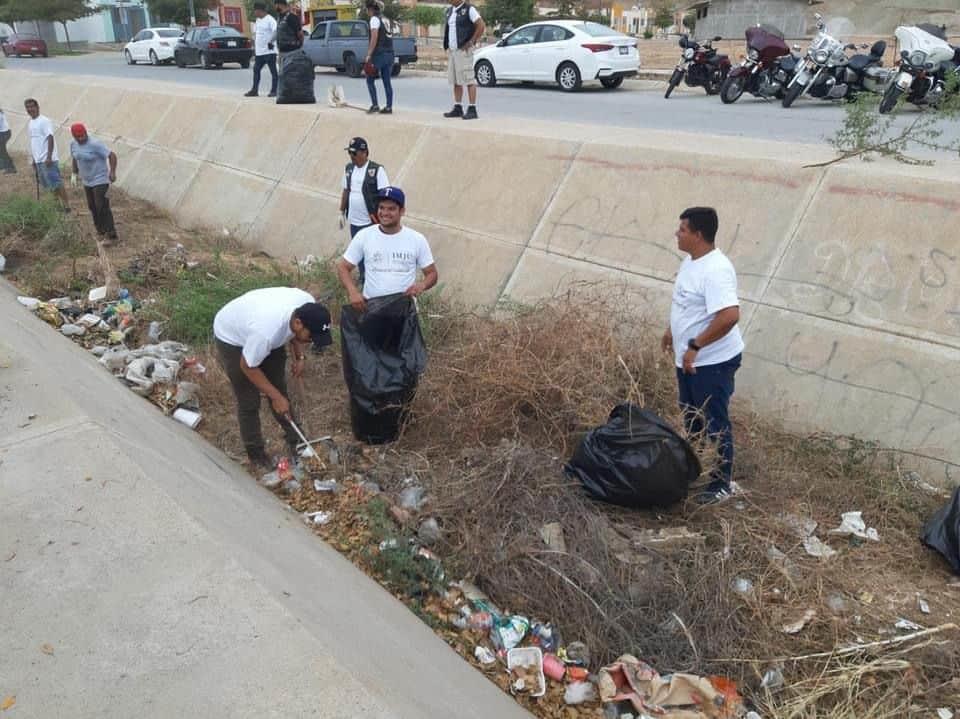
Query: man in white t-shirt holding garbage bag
x=383, y=350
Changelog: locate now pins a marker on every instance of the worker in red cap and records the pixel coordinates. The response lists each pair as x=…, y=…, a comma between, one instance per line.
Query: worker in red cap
x=97, y=167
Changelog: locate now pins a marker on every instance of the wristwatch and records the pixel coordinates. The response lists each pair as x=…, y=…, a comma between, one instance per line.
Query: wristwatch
x=692, y=344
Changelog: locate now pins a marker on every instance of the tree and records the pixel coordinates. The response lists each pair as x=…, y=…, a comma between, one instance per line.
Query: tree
x=567, y=9
x=508, y=12
x=61, y=11
x=392, y=10
x=14, y=11
x=177, y=11
x=690, y=21
x=426, y=16
x=664, y=18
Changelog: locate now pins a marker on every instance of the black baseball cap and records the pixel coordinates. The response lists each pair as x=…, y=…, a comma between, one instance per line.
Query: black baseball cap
x=316, y=318
x=357, y=144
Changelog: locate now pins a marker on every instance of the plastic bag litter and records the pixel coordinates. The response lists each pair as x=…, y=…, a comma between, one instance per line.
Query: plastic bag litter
x=508, y=632
x=115, y=359
x=635, y=460
x=579, y=692
x=144, y=372
x=383, y=357
x=295, y=84
x=942, y=531
x=852, y=524
x=166, y=350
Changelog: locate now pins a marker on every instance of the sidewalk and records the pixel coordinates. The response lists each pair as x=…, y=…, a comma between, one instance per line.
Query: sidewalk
x=145, y=574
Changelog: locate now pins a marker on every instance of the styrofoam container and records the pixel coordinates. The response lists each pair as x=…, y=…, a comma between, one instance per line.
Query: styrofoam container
x=528, y=657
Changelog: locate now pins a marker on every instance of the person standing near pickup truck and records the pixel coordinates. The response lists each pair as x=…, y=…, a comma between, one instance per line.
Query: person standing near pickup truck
x=461, y=32
x=289, y=29
x=379, y=59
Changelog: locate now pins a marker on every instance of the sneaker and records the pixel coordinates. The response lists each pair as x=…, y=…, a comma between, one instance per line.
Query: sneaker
x=252, y=93
x=457, y=111
x=715, y=493
x=471, y=113
x=387, y=111
x=373, y=109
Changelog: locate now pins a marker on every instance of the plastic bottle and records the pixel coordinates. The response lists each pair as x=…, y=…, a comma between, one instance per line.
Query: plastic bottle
x=478, y=620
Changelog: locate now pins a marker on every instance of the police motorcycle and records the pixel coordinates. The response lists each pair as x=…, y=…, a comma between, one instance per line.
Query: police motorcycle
x=926, y=60
x=828, y=73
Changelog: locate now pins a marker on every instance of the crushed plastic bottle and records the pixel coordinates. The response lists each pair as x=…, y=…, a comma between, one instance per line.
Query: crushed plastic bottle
x=479, y=621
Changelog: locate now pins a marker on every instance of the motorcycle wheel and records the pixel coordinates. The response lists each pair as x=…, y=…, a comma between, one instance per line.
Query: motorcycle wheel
x=890, y=99
x=674, y=81
x=793, y=92
x=731, y=90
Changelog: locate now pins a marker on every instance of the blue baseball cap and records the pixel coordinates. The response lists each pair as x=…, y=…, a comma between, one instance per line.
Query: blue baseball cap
x=392, y=193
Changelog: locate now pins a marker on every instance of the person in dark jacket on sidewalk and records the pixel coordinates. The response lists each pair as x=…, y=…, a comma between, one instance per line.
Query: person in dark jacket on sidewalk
x=252, y=333
x=96, y=165
x=379, y=59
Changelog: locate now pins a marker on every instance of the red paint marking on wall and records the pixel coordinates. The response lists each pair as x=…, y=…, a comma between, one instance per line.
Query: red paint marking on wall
x=908, y=197
x=687, y=169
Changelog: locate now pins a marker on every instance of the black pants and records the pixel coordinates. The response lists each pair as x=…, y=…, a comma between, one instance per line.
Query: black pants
x=99, y=205
x=248, y=396
x=6, y=162
x=271, y=62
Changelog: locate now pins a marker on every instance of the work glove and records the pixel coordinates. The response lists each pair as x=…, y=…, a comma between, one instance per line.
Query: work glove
x=73, y=179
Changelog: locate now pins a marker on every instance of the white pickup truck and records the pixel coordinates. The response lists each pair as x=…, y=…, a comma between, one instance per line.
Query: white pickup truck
x=343, y=44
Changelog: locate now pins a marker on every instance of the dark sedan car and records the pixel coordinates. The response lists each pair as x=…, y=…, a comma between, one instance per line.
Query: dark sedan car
x=211, y=47
x=25, y=45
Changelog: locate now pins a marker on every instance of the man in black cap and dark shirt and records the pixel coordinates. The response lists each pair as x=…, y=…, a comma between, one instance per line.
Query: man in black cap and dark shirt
x=252, y=333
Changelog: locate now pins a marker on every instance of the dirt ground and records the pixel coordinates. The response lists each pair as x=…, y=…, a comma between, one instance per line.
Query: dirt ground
x=492, y=426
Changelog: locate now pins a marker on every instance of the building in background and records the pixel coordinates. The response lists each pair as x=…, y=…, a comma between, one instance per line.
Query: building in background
x=729, y=18
x=632, y=20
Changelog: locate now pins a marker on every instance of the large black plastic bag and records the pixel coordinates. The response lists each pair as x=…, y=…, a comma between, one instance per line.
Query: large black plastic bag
x=635, y=460
x=295, y=84
x=383, y=358
x=942, y=532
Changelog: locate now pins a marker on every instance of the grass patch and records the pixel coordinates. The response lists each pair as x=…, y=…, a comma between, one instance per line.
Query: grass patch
x=27, y=218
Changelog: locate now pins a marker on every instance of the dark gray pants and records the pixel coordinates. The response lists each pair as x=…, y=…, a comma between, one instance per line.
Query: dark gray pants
x=99, y=205
x=6, y=162
x=248, y=396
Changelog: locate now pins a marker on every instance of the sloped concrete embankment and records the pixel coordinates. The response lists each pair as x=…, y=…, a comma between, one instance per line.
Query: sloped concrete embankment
x=850, y=275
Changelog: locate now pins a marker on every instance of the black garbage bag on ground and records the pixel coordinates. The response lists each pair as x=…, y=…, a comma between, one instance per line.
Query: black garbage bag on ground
x=942, y=531
x=635, y=460
x=383, y=358
x=295, y=84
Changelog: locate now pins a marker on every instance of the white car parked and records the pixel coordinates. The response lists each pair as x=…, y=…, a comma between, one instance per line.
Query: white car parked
x=567, y=52
x=153, y=44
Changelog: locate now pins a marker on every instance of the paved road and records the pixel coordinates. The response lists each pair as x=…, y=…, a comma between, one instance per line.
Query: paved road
x=635, y=105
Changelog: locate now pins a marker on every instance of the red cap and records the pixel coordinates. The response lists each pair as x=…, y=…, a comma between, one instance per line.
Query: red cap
x=78, y=129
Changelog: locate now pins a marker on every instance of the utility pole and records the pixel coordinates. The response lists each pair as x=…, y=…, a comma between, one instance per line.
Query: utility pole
x=193, y=17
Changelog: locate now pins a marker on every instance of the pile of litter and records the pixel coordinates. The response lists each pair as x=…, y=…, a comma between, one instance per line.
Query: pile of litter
x=108, y=328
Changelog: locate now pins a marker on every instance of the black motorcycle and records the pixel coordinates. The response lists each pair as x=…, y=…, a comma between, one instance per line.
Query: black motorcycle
x=701, y=66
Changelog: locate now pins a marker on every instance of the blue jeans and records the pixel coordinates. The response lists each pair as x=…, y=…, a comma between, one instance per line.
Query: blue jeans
x=705, y=401
x=383, y=61
x=271, y=62
x=49, y=175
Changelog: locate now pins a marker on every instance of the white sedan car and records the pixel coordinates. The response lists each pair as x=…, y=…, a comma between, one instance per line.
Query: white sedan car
x=567, y=52
x=153, y=44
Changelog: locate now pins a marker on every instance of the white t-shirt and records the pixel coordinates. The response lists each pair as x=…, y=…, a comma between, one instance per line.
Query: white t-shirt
x=704, y=287
x=390, y=261
x=356, y=206
x=452, y=24
x=39, y=130
x=4, y=125
x=375, y=23
x=259, y=321
x=264, y=32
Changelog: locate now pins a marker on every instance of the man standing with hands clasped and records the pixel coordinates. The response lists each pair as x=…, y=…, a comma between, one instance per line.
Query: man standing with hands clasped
x=705, y=340
x=462, y=30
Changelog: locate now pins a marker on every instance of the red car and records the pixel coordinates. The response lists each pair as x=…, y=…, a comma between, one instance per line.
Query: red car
x=25, y=45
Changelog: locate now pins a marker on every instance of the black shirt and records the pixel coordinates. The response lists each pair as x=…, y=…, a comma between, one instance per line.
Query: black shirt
x=288, y=35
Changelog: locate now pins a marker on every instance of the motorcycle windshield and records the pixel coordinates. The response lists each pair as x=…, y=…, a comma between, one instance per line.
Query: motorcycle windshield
x=766, y=37
x=935, y=30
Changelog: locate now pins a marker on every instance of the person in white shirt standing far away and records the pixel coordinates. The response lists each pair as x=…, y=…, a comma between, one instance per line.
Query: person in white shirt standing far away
x=265, y=49
x=705, y=340
x=392, y=254
x=43, y=152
